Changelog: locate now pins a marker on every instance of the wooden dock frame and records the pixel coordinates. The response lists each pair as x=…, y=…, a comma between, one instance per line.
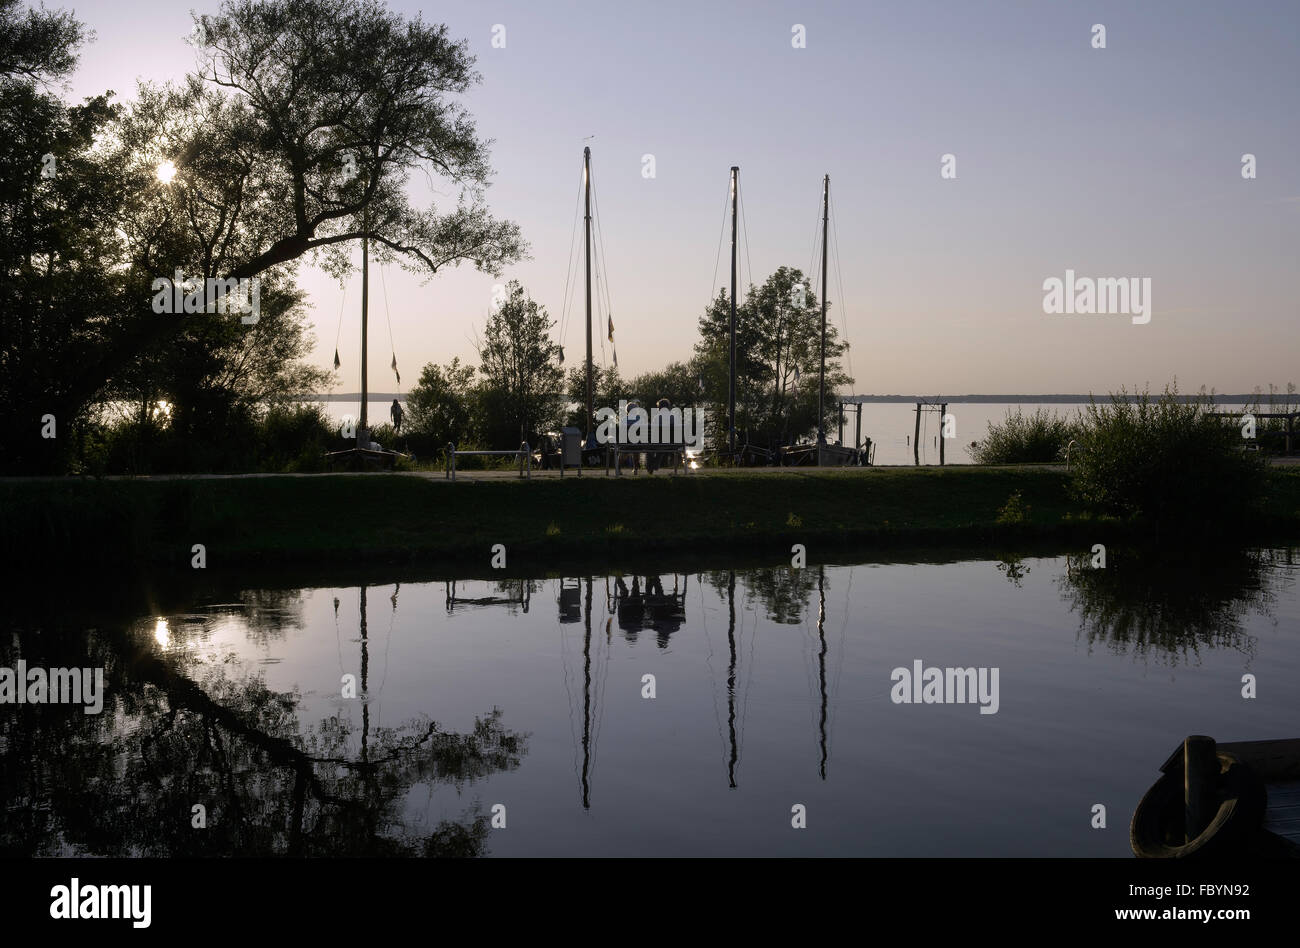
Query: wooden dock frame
x=1292, y=421
x=942, y=409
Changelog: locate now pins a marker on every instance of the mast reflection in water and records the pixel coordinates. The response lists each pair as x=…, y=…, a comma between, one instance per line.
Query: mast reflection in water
x=771, y=689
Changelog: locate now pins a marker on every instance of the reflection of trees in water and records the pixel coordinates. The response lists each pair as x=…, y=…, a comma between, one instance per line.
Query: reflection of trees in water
x=1171, y=603
x=268, y=614
x=262, y=616
x=516, y=586
x=124, y=782
x=783, y=592
x=1013, y=567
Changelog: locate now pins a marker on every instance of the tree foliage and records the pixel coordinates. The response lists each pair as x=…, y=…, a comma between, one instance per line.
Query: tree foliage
x=297, y=135
x=778, y=358
x=520, y=367
x=442, y=405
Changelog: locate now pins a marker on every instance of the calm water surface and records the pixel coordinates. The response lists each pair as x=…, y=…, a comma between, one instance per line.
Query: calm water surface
x=772, y=688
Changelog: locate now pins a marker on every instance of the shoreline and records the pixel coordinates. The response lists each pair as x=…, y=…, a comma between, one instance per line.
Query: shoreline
x=253, y=521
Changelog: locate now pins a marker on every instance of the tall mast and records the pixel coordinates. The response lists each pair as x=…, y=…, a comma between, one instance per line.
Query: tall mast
x=821, y=392
x=363, y=435
x=586, y=182
x=731, y=380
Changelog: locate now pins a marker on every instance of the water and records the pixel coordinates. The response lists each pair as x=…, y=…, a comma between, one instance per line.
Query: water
x=772, y=689
x=891, y=426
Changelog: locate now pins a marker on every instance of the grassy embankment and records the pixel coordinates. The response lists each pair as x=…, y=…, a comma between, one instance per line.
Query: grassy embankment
x=399, y=518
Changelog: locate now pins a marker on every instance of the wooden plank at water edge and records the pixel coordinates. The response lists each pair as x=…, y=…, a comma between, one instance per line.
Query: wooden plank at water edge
x=1271, y=760
x=1283, y=814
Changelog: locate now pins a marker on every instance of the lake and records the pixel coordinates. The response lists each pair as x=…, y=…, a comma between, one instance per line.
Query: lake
x=526, y=700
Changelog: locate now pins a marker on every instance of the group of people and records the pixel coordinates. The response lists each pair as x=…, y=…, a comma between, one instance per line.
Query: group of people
x=652, y=608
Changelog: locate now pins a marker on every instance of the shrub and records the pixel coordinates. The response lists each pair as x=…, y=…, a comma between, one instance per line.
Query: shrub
x=441, y=407
x=294, y=439
x=1015, y=510
x=1026, y=439
x=1165, y=461
x=286, y=438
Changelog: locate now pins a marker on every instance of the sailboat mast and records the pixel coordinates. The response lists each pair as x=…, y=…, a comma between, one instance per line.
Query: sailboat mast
x=363, y=434
x=731, y=380
x=586, y=180
x=821, y=392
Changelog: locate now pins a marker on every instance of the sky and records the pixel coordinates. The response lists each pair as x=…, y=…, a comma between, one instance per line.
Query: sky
x=1117, y=162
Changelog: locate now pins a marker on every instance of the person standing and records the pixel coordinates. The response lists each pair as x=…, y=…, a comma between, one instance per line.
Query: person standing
x=395, y=412
x=658, y=459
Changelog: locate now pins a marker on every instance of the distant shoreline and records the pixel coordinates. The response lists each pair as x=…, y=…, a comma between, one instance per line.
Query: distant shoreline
x=881, y=399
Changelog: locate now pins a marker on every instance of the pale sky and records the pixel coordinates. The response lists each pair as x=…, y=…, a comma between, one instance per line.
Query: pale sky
x=1116, y=162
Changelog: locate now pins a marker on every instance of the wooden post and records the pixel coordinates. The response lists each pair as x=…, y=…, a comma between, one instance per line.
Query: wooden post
x=857, y=437
x=943, y=413
x=1200, y=783
x=916, y=438
x=841, y=419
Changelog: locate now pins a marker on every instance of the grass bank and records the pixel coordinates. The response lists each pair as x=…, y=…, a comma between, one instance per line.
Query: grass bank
x=395, y=518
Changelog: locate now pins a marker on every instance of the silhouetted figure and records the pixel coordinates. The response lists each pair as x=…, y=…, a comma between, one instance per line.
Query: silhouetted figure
x=634, y=407
x=396, y=413
x=658, y=459
x=665, y=610
x=631, y=607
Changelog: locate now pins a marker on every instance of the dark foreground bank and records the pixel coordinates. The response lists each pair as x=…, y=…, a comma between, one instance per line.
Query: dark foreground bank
x=406, y=518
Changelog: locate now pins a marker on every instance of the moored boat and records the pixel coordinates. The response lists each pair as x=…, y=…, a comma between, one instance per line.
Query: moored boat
x=1222, y=800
